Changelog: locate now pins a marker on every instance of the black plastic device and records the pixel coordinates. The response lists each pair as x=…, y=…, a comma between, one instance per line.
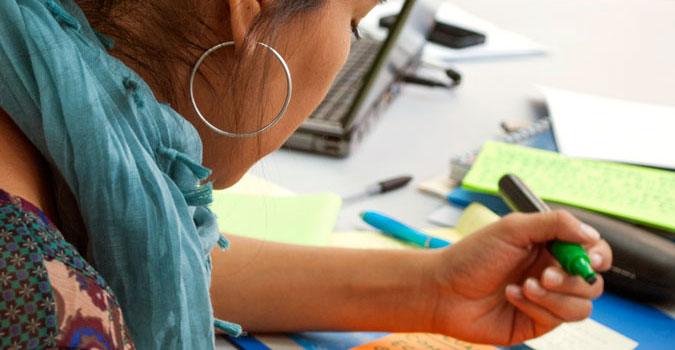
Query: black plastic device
x=643, y=265
x=445, y=34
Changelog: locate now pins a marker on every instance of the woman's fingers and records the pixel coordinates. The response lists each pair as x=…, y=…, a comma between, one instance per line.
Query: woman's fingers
x=555, y=279
x=547, y=320
x=526, y=229
x=600, y=254
x=564, y=306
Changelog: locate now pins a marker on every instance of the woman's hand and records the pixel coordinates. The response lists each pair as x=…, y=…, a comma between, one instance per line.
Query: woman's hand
x=501, y=286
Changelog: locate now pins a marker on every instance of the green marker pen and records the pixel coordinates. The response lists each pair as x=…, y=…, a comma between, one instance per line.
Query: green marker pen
x=571, y=256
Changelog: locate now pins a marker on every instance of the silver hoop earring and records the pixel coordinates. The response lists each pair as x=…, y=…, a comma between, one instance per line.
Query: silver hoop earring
x=289, y=87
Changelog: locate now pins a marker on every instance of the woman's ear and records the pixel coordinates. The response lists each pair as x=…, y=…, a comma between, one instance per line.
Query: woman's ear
x=242, y=13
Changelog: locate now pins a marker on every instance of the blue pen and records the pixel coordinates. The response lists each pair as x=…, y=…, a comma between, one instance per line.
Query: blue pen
x=401, y=231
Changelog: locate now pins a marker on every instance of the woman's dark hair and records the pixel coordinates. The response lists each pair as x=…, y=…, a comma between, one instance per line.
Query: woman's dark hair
x=182, y=35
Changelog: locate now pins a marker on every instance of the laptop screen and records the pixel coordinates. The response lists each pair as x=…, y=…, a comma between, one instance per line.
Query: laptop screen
x=367, y=83
x=398, y=55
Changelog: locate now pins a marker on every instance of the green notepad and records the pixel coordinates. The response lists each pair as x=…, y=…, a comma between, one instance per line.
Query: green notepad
x=640, y=194
x=298, y=219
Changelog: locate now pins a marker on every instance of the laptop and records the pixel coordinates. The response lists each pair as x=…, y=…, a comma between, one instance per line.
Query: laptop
x=366, y=85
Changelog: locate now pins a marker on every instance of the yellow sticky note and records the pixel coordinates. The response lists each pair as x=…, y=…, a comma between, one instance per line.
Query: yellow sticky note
x=447, y=233
x=367, y=240
x=251, y=184
x=377, y=240
x=298, y=219
x=640, y=194
x=421, y=341
x=475, y=217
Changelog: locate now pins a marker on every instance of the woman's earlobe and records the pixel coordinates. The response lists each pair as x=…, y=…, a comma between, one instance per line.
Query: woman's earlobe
x=242, y=13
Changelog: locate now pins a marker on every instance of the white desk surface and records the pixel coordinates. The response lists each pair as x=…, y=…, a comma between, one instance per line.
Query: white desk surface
x=616, y=48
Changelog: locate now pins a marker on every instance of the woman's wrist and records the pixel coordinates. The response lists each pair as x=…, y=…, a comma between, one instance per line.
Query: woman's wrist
x=431, y=291
x=407, y=295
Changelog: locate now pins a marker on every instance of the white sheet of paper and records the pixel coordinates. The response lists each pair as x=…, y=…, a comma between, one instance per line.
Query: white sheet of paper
x=445, y=215
x=498, y=42
x=582, y=335
x=588, y=126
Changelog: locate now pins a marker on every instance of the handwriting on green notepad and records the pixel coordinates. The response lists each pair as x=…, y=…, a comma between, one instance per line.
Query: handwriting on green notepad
x=636, y=193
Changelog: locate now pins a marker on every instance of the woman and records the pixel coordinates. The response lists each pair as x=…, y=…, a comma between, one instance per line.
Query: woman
x=87, y=145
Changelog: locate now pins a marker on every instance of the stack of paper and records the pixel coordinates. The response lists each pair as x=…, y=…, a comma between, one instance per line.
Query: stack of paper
x=593, y=127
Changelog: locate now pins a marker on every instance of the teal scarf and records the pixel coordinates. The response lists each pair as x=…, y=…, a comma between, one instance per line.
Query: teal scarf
x=131, y=163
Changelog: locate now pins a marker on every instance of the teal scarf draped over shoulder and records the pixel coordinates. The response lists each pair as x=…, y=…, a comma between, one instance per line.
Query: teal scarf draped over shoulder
x=131, y=162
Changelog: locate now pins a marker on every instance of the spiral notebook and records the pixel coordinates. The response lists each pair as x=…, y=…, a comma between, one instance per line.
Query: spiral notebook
x=538, y=135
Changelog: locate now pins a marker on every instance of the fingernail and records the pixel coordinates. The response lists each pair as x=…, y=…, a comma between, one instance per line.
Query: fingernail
x=553, y=277
x=534, y=287
x=514, y=291
x=596, y=259
x=589, y=231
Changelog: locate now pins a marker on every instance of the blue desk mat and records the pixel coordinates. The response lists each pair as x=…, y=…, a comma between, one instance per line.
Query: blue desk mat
x=648, y=326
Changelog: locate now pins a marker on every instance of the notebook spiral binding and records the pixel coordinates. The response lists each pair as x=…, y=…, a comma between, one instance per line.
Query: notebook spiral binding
x=460, y=165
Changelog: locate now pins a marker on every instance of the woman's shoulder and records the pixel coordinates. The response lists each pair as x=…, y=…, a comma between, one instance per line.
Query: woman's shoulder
x=23, y=170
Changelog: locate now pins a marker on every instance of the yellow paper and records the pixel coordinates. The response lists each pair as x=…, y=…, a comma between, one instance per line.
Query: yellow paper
x=636, y=193
x=421, y=341
x=447, y=233
x=377, y=240
x=297, y=219
x=367, y=240
x=251, y=184
x=474, y=218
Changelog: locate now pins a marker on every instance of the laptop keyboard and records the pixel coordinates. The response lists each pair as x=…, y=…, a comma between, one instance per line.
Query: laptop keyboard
x=347, y=84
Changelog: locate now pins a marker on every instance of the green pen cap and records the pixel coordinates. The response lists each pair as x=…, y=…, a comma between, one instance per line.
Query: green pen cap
x=571, y=256
x=574, y=259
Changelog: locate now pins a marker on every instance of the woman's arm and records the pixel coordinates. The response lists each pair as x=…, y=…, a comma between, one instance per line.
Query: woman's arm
x=499, y=285
x=267, y=286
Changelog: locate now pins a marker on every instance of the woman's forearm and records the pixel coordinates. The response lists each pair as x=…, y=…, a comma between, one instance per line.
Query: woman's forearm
x=273, y=287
